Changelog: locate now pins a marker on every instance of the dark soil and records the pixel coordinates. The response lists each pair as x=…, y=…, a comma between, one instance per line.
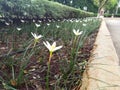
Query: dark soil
x=36, y=70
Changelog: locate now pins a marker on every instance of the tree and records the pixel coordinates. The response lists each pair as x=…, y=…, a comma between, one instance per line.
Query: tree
x=80, y=4
x=106, y=4
x=117, y=7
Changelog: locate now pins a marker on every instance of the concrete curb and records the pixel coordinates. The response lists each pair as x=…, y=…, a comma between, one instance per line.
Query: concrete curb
x=103, y=70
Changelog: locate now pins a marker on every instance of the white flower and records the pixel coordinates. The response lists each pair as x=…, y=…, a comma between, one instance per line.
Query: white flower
x=57, y=26
x=19, y=29
x=33, y=20
x=25, y=13
x=71, y=20
x=84, y=24
x=39, y=21
x=36, y=36
x=49, y=20
x=22, y=21
x=52, y=47
x=71, y=1
x=37, y=25
x=48, y=24
x=28, y=5
x=78, y=32
x=7, y=23
x=77, y=21
x=85, y=20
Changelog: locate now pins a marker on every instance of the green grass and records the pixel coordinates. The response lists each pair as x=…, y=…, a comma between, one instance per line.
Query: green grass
x=56, y=29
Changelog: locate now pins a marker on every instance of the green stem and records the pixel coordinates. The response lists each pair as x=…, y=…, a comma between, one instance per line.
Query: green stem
x=73, y=52
x=36, y=30
x=73, y=58
x=75, y=42
x=34, y=44
x=50, y=56
x=13, y=73
x=24, y=64
x=47, y=77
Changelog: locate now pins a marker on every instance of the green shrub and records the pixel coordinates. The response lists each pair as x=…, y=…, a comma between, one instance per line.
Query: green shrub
x=117, y=15
x=107, y=15
x=110, y=15
x=40, y=9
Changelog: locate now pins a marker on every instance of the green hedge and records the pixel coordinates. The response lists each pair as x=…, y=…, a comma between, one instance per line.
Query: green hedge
x=107, y=15
x=40, y=9
x=110, y=15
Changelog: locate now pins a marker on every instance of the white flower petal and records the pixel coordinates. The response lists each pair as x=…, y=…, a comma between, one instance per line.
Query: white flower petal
x=45, y=43
x=74, y=31
x=52, y=47
x=78, y=32
x=40, y=36
x=48, y=43
x=81, y=32
x=33, y=34
x=54, y=44
x=59, y=47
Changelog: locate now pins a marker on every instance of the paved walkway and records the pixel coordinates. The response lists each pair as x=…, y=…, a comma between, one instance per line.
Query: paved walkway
x=113, y=25
x=103, y=71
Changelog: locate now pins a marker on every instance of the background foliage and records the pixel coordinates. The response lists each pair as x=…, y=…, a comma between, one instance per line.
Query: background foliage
x=106, y=4
x=79, y=4
x=92, y=5
x=39, y=9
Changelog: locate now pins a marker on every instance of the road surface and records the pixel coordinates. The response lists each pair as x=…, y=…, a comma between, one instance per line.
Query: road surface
x=113, y=25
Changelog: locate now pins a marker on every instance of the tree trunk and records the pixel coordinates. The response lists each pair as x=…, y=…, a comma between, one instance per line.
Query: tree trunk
x=102, y=3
